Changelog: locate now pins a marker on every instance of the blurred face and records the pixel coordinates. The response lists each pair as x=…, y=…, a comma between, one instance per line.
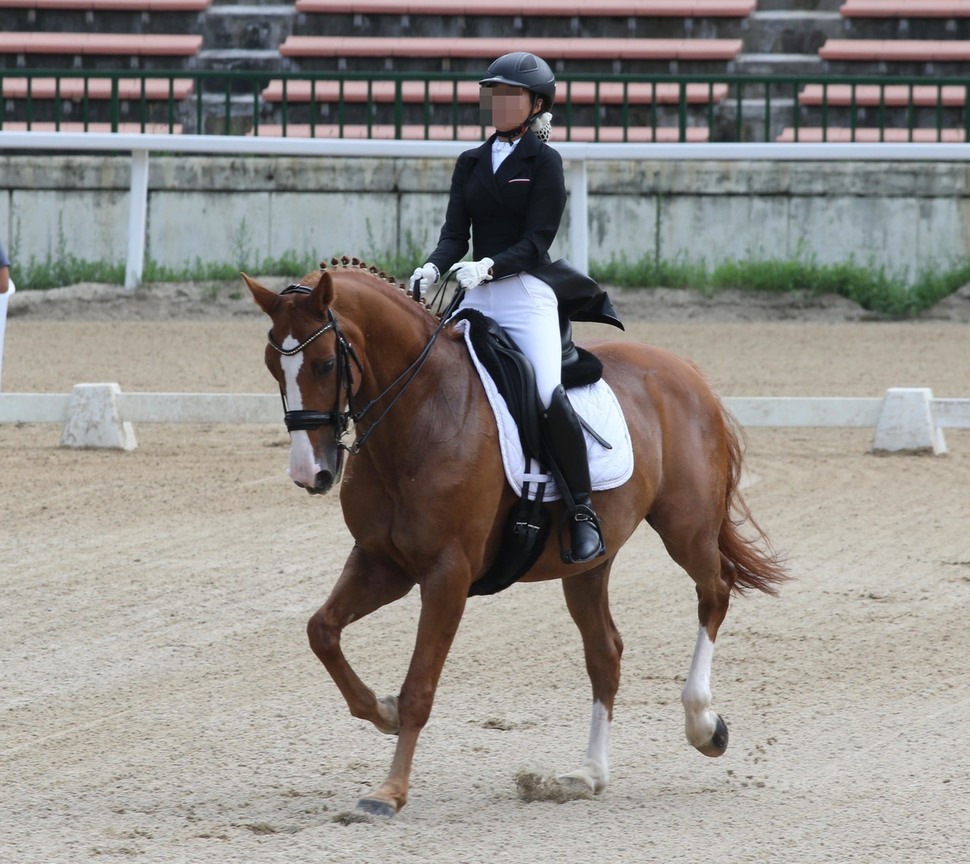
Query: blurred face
x=504, y=106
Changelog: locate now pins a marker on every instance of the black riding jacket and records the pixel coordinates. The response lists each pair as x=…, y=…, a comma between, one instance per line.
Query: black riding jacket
x=512, y=215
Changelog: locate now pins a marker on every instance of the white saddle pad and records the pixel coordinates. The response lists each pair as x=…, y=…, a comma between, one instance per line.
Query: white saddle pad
x=608, y=468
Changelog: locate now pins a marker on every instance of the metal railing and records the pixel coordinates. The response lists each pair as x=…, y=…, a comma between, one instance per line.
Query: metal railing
x=614, y=108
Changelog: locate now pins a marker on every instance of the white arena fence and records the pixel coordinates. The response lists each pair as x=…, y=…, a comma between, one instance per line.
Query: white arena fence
x=575, y=156
x=905, y=420
x=100, y=415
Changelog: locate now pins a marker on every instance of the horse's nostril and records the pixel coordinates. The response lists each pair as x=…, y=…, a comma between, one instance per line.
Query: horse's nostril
x=324, y=479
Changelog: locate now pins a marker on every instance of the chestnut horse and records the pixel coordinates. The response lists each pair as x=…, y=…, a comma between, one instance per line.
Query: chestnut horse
x=425, y=496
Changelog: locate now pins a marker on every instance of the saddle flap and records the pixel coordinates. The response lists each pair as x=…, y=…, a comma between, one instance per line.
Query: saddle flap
x=512, y=373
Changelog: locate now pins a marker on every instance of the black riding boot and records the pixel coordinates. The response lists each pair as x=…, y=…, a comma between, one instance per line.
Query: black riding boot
x=567, y=449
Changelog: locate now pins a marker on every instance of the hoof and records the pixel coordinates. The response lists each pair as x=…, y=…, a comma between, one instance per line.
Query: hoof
x=388, y=722
x=719, y=740
x=576, y=786
x=376, y=807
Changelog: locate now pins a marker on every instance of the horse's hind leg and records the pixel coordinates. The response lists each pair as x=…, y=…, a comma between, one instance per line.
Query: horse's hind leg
x=696, y=550
x=587, y=598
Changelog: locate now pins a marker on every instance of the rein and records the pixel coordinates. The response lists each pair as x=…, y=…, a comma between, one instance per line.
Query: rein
x=309, y=420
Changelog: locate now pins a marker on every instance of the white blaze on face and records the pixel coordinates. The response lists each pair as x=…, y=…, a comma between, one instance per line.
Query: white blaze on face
x=303, y=467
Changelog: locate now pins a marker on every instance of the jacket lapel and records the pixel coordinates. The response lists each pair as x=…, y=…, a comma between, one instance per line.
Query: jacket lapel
x=483, y=170
x=527, y=148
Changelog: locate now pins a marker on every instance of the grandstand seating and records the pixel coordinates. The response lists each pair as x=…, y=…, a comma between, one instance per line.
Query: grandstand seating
x=562, y=8
x=76, y=36
x=426, y=49
x=111, y=16
x=136, y=128
x=418, y=54
x=897, y=50
x=416, y=132
x=110, y=5
x=912, y=38
x=132, y=49
x=892, y=95
x=905, y=9
x=584, y=92
x=78, y=89
x=842, y=135
x=337, y=43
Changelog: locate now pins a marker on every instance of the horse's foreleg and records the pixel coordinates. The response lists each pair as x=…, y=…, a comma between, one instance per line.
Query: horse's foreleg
x=587, y=599
x=442, y=605
x=363, y=587
x=705, y=728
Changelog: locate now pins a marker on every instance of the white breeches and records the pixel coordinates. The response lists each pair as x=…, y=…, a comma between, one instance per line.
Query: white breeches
x=528, y=311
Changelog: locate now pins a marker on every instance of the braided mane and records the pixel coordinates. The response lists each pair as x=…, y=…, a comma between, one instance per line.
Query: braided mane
x=346, y=263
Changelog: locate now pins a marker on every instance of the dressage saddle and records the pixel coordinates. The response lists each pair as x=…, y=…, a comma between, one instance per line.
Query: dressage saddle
x=514, y=377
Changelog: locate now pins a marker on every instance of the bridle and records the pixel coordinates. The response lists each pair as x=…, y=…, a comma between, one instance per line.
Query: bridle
x=340, y=420
x=307, y=420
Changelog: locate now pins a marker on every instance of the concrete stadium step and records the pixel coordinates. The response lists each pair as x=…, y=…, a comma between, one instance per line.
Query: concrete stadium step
x=248, y=27
x=790, y=32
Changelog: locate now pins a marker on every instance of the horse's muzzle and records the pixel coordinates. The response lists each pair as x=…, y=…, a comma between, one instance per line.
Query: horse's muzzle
x=325, y=478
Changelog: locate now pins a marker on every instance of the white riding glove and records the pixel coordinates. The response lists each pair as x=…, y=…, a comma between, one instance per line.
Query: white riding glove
x=422, y=279
x=472, y=273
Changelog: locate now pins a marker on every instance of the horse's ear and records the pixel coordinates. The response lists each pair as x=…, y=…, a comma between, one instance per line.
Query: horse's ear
x=322, y=295
x=265, y=299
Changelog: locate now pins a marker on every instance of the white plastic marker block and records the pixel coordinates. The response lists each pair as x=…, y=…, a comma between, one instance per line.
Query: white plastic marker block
x=906, y=423
x=4, y=299
x=93, y=419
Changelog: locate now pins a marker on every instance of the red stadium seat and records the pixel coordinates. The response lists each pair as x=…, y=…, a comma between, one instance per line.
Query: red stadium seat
x=905, y=9
x=893, y=95
x=97, y=88
x=564, y=8
x=110, y=5
x=150, y=128
x=137, y=44
x=550, y=49
x=416, y=132
x=842, y=135
x=445, y=92
x=897, y=50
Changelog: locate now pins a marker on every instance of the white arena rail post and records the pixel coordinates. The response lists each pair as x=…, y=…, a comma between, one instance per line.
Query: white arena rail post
x=137, y=219
x=906, y=423
x=93, y=419
x=4, y=300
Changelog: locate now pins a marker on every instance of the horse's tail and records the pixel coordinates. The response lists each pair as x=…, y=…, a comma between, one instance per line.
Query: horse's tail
x=755, y=563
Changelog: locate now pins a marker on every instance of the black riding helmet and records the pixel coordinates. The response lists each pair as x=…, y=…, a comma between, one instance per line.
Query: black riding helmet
x=522, y=69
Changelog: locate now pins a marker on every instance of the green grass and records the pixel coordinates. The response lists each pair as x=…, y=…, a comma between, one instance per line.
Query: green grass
x=871, y=287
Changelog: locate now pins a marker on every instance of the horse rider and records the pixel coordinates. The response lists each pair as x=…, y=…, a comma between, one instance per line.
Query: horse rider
x=508, y=196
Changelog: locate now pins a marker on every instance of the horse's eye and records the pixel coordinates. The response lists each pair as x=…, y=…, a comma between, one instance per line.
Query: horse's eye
x=323, y=367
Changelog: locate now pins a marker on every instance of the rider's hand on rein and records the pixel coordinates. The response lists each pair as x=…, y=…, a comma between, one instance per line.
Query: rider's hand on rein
x=422, y=279
x=472, y=273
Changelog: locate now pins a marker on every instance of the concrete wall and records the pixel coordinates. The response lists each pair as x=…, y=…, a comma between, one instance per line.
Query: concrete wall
x=240, y=210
